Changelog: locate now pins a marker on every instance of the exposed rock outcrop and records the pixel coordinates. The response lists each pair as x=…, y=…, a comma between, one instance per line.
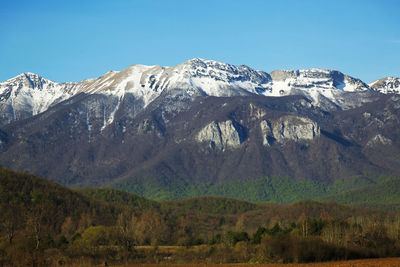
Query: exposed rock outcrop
x=148, y=126
x=220, y=135
x=289, y=128
x=266, y=130
x=379, y=140
x=256, y=112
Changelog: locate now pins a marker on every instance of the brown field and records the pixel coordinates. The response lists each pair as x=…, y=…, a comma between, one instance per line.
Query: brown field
x=383, y=262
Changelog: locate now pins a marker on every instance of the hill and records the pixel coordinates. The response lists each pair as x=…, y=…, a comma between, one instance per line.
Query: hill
x=118, y=197
x=43, y=223
x=382, y=194
x=25, y=197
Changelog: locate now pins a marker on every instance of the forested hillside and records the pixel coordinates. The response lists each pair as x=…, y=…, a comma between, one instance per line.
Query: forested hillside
x=45, y=224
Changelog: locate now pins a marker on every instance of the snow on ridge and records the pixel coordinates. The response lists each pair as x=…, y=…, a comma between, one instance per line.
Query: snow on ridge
x=29, y=93
x=192, y=78
x=388, y=85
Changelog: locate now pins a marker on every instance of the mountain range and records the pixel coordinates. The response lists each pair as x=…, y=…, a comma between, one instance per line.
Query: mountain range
x=205, y=128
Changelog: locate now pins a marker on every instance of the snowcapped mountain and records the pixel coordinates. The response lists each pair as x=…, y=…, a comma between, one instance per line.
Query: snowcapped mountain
x=389, y=85
x=201, y=121
x=327, y=89
x=29, y=94
x=194, y=77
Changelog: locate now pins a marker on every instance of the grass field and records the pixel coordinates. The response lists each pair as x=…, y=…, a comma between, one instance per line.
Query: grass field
x=382, y=262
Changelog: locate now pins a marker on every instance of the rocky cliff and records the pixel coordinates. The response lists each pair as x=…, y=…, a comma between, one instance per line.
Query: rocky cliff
x=220, y=135
x=289, y=128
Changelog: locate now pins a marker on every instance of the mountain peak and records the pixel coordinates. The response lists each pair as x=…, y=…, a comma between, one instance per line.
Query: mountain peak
x=28, y=79
x=25, y=75
x=30, y=74
x=196, y=59
x=318, y=78
x=208, y=63
x=388, y=85
x=30, y=94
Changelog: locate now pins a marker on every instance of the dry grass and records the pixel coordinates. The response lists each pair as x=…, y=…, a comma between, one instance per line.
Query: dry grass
x=384, y=262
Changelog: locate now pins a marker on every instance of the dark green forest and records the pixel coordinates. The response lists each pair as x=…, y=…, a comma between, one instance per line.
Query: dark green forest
x=382, y=192
x=45, y=224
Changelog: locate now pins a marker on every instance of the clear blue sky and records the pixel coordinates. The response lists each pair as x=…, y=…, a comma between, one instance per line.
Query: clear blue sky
x=74, y=40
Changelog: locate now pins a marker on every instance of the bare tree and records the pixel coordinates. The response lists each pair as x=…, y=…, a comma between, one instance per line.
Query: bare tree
x=68, y=227
x=10, y=221
x=34, y=224
x=151, y=228
x=126, y=223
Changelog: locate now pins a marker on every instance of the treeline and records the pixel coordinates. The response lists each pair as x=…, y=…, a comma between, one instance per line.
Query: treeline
x=45, y=224
x=367, y=190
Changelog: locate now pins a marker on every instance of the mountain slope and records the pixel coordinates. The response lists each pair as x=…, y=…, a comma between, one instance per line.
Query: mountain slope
x=389, y=85
x=26, y=197
x=214, y=140
x=204, y=127
x=380, y=193
x=29, y=94
x=114, y=196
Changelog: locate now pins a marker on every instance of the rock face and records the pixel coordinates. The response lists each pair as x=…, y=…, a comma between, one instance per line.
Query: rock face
x=267, y=134
x=147, y=127
x=220, y=135
x=378, y=140
x=255, y=112
x=287, y=128
x=295, y=128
